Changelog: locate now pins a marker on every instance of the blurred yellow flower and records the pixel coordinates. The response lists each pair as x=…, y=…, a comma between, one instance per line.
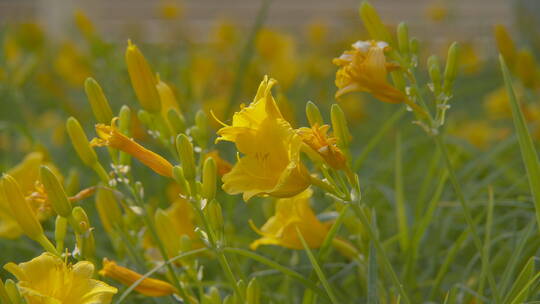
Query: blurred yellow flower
x=470, y=60
x=110, y=136
x=278, y=54
x=437, y=11
x=26, y=174
x=72, y=65
x=291, y=214
x=317, y=138
x=48, y=279
x=479, y=133
x=84, y=25
x=505, y=44
x=364, y=69
x=497, y=104
x=170, y=10
x=271, y=163
x=148, y=287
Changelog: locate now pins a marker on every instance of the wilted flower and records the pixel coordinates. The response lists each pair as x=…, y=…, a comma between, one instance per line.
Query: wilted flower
x=291, y=214
x=148, y=287
x=271, y=162
x=48, y=279
x=317, y=138
x=365, y=69
x=110, y=136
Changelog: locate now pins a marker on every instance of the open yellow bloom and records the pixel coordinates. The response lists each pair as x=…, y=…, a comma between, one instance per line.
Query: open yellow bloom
x=271, y=162
x=26, y=174
x=110, y=136
x=291, y=214
x=47, y=279
x=364, y=69
x=316, y=138
x=148, y=287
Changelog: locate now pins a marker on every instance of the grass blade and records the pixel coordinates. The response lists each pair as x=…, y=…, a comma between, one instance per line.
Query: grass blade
x=372, y=273
x=400, y=198
x=525, y=276
x=528, y=152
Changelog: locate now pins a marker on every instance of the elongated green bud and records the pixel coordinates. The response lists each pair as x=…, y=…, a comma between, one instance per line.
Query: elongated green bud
x=85, y=237
x=373, y=23
x=20, y=208
x=176, y=121
x=253, y=292
x=145, y=118
x=80, y=142
x=215, y=215
x=185, y=151
x=108, y=210
x=178, y=176
x=209, y=179
x=143, y=79
x=72, y=181
x=313, y=114
x=98, y=101
x=13, y=292
x=200, y=131
x=339, y=124
x=55, y=192
x=124, y=123
x=403, y=38
x=450, y=70
x=215, y=297
x=435, y=72
x=414, y=46
x=60, y=229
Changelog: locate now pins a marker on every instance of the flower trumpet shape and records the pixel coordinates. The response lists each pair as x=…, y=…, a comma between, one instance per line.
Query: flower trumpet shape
x=48, y=279
x=148, y=287
x=291, y=214
x=270, y=164
x=364, y=69
x=110, y=136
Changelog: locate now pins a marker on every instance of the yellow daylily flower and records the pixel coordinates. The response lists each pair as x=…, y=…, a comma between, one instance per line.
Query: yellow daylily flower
x=291, y=214
x=47, y=279
x=26, y=174
x=72, y=65
x=271, y=150
x=365, y=69
x=148, y=287
x=110, y=136
x=317, y=138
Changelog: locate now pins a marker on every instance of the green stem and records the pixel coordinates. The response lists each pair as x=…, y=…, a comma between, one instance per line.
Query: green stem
x=47, y=245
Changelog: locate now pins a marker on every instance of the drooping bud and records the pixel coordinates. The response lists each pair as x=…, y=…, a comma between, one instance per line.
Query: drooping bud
x=98, y=101
x=55, y=192
x=143, y=79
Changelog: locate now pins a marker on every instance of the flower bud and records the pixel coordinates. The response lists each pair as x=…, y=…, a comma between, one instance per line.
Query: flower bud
x=178, y=175
x=166, y=96
x=185, y=150
x=85, y=236
x=176, y=121
x=414, y=46
x=55, y=192
x=108, y=210
x=200, y=130
x=339, y=124
x=80, y=142
x=4, y=297
x=145, y=118
x=373, y=23
x=98, y=101
x=13, y=293
x=214, y=296
x=215, y=215
x=166, y=232
x=209, y=179
x=60, y=229
x=313, y=114
x=434, y=72
x=20, y=208
x=253, y=292
x=450, y=70
x=403, y=38
x=142, y=78
x=124, y=123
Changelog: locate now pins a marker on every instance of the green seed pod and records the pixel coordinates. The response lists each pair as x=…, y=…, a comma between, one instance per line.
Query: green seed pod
x=450, y=70
x=98, y=101
x=185, y=151
x=209, y=179
x=55, y=192
x=403, y=38
x=80, y=142
x=341, y=129
x=313, y=114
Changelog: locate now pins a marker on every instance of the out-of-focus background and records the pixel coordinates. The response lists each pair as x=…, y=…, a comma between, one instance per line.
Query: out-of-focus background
x=437, y=20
